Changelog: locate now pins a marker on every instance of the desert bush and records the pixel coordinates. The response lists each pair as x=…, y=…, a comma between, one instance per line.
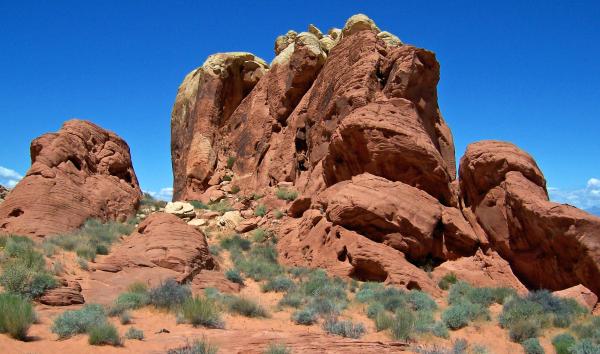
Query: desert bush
x=16, y=315
x=227, y=178
x=299, y=272
x=104, y=334
x=344, y=328
x=134, y=333
x=230, y=162
x=460, y=314
x=286, y=194
x=562, y=343
x=278, y=214
x=420, y=301
x=260, y=263
x=589, y=330
x=74, y=322
x=246, y=307
x=462, y=291
x=374, y=309
x=200, y=311
x=125, y=318
x=460, y=346
x=439, y=329
x=383, y=321
x=424, y=321
x=169, y=294
x=585, y=346
x=236, y=241
x=198, y=204
x=305, y=317
x=214, y=250
x=523, y=330
x=403, y=325
x=136, y=297
x=532, y=346
x=278, y=284
x=24, y=269
x=83, y=263
x=197, y=347
x=222, y=206
x=260, y=210
x=235, y=189
x=447, y=280
x=234, y=276
x=277, y=349
x=293, y=299
x=260, y=235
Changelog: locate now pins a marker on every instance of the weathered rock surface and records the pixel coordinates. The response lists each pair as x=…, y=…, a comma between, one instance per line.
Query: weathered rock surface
x=80, y=172
x=161, y=241
x=548, y=245
x=68, y=293
x=180, y=209
x=482, y=270
x=581, y=294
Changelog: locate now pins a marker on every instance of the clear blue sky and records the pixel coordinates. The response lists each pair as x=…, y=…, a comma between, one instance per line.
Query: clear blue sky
x=527, y=72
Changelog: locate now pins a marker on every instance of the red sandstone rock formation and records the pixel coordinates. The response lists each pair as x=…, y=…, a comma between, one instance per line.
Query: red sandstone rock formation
x=80, y=172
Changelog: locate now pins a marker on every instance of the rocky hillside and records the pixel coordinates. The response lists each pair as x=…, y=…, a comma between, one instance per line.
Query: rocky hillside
x=350, y=120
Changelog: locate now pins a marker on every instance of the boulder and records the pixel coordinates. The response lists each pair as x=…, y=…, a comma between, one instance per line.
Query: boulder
x=548, y=245
x=161, y=241
x=180, y=209
x=357, y=23
x=197, y=223
x=299, y=206
x=247, y=225
x=230, y=220
x=78, y=173
x=68, y=293
x=581, y=294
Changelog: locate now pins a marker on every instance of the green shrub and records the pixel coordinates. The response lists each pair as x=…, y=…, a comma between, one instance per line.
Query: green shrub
x=135, y=298
x=439, y=329
x=246, y=307
x=562, y=343
x=74, y=322
x=214, y=250
x=198, y=347
x=460, y=346
x=260, y=210
x=234, y=276
x=589, y=330
x=277, y=349
x=125, y=318
x=299, y=272
x=236, y=241
x=278, y=214
x=305, y=317
x=227, y=178
x=169, y=294
x=230, y=162
x=383, y=321
x=462, y=291
x=532, y=346
x=447, y=280
x=585, y=346
x=134, y=333
x=292, y=299
x=286, y=194
x=403, y=325
x=374, y=309
x=278, y=284
x=460, y=314
x=235, y=189
x=344, y=328
x=21, y=276
x=16, y=315
x=198, y=204
x=260, y=263
x=200, y=311
x=83, y=263
x=420, y=301
x=104, y=334
x=222, y=206
x=526, y=329
x=260, y=235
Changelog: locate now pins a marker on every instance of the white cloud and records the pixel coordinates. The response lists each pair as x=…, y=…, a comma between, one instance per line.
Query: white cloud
x=164, y=193
x=9, y=177
x=584, y=198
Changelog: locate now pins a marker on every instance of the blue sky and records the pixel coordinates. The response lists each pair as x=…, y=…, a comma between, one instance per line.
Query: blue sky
x=521, y=71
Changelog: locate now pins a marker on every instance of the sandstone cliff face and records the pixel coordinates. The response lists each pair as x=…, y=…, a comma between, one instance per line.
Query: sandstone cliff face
x=351, y=121
x=80, y=172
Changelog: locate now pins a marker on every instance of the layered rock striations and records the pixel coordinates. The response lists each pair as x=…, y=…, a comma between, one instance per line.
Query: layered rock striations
x=80, y=172
x=350, y=120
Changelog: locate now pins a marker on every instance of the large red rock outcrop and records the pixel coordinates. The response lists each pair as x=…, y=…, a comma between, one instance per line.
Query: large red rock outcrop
x=548, y=245
x=80, y=172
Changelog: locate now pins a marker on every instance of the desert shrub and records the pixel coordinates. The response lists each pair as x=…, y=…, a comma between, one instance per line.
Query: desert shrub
x=230, y=162
x=234, y=276
x=198, y=204
x=260, y=210
x=460, y=346
x=169, y=294
x=260, y=263
x=222, y=206
x=585, y=346
x=344, y=328
x=447, y=280
x=299, y=272
x=563, y=311
x=383, y=321
x=74, y=322
x=197, y=347
x=134, y=333
x=260, y=235
x=236, y=241
x=589, y=330
x=16, y=315
x=460, y=314
x=277, y=349
x=286, y=194
x=227, y=178
x=246, y=307
x=424, y=321
x=58, y=268
x=374, y=309
x=305, y=317
x=523, y=330
x=235, y=189
x=136, y=297
x=214, y=250
x=403, y=325
x=125, y=318
x=83, y=263
x=532, y=346
x=104, y=334
x=24, y=271
x=292, y=299
x=462, y=291
x=278, y=214
x=420, y=301
x=439, y=329
x=562, y=343
x=200, y=311
x=278, y=284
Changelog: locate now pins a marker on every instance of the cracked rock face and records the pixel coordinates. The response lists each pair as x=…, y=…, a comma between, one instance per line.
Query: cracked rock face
x=80, y=172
